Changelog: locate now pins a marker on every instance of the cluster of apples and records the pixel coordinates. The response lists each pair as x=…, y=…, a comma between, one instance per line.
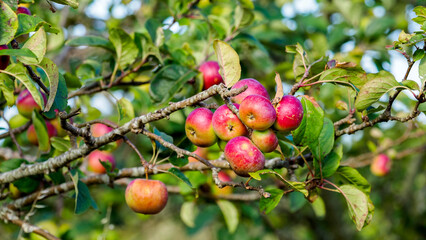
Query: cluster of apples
x=247, y=137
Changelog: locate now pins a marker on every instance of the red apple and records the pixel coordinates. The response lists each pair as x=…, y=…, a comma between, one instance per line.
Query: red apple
x=94, y=157
x=100, y=129
x=257, y=112
x=226, y=124
x=211, y=75
x=26, y=103
x=381, y=165
x=146, y=196
x=244, y=156
x=224, y=177
x=4, y=59
x=254, y=88
x=266, y=140
x=202, y=152
x=23, y=10
x=199, y=129
x=289, y=114
x=32, y=135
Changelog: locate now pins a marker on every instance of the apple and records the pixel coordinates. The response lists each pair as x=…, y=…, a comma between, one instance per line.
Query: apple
x=26, y=103
x=199, y=129
x=4, y=59
x=211, y=75
x=14, y=191
x=381, y=165
x=56, y=122
x=244, y=156
x=32, y=135
x=226, y=124
x=254, y=88
x=94, y=157
x=202, y=152
x=266, y=140
x=289, y=114
x=224, y=177
x=146, y=196
x=100, y=129
x=257, y=112
x=23, y=10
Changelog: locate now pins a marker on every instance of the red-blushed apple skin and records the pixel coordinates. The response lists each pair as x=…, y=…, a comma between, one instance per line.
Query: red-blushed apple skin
x=381, y=165
x=199, y=128
x=266, y=141
x=100, y=129
x=254, y=87
x=23, y=10
x=32, y=135
x=289, y=114
x=57, y=124
x=226, y=124
x=200, y=151
x=4, y=60
x=224, y=177
x=146, y=196
x=95, y=166
x=211, y=75
x=26, y=103
x=257, y=112
x=244, y=156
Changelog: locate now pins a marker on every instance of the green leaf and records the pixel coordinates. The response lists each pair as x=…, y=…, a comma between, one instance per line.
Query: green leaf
x=27, y=184
x=124, y=47
x=330, y=163
x=357, y=203
x=72, y=81
x=418, y=54
x=126, y=111
x=93, y=41
x=353, y=177
x=354, y=76
x=229, y=62
x=152, y=26
x=297, y=201
x=165, y=137
x=297, y=186
x=61, y=144
x=311, y=125
x=411, y=84
x=168, y=81
x=7, y=88
x=83, y=199
x=12, y=164
x=371, y=92
x=243, y=17
x=30, y=23
x=266, y=205
x=230, y=213
x=18, y=71
x=422, y=70
x=41, y=132
x=25, y=52
x=177, y=173
x=8, y=23
x=13, y=4
x=52, y=73
x=37, y=44
x=319, y=207
x=71, y=3
x=188, y=213
x=61, y=98
x=178, y=162
x=325, y=142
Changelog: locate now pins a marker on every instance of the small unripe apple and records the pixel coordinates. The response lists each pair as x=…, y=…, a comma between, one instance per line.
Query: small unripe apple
x=199, y=128
x=146, y=196
x=266, y=140
x=257, y=112
x=253, y=88
x=26, y=103
x=94, y=157
x=226, y=124
x=32, y=135
x=224, y=177
x=289, y=114
x=14, y=191
x=4, y=59
x=200, y=151
x=243, y=156
x=23, y=10
x=57, y=124
x=381, y=165
x=211, y=75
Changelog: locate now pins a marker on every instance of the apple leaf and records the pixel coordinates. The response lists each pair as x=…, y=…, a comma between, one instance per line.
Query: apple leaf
x=8, y=23
x=37, y=44
x=52, y=73
x=319, y=207
x=355, y=76
x=18, y=52
x=41, y=132
x=297, y=186
x=229, y=62
x=329, y=163
x=230, y=213
x=11, y=164
x=125, y=110
x=7, y=88
x=357, y=202
x=325, y=142
x=93, y=41
x=71, y=3
x=124, y=47
x=422, y=70
x=60, y=144
x=297, y=201
x=353, y=177
x=61, y=98
x=30, y=23
x=83, y=199
x=266, y=205
x=188, y=213
x=311, y=126
x=177, y=173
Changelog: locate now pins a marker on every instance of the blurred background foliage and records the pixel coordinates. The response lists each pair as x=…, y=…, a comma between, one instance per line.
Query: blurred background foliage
x=349, y=31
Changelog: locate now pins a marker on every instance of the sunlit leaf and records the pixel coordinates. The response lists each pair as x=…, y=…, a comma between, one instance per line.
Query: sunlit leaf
x=229, y=62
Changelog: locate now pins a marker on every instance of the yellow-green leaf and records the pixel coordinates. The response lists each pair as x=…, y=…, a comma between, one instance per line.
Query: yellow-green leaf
x=229, y=62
